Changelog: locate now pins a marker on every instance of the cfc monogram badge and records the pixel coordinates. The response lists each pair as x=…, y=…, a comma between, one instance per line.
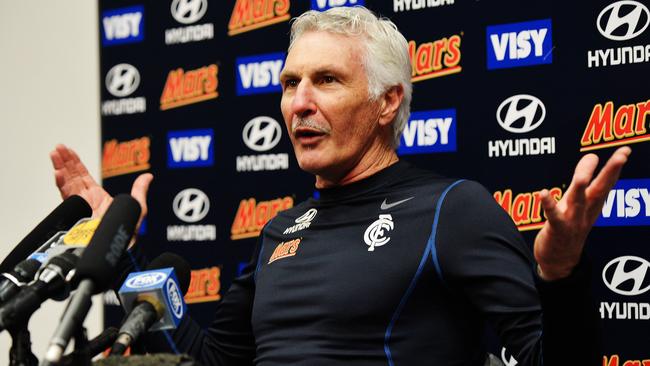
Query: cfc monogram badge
x=376, y=233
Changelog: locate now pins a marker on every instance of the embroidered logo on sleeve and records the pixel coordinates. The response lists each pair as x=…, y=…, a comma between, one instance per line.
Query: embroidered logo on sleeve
x=285, y=249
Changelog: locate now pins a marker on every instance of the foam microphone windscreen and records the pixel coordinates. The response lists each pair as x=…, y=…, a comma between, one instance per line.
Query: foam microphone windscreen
x=63, y=217
x=108, y=244
x=180, y=265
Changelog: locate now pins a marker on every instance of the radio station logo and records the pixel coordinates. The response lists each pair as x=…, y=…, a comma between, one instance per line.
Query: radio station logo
x=189, y=87
x=627, y=204
x=626, y=276
x=322, y=5
x=248, y=15
x=125, y=157
x=525, y=209
x=146, y=280
x=435, y=59
x=615, y=360
x=519, y=114
x=188, y=12
x=519, y=44
x=190, y=148
x=407, y=5
x=607, y=129
x=121, y=81
x=429, y=132
x=205, y=285
x=123, y=25
x=262, y=134
x=621, y=21
x=259, y=74
x=252, y=216
x=191, y=205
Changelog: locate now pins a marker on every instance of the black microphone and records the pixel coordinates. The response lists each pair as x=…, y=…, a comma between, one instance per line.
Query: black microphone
x=61, y=218
x=96, y=268
x=51, y=283
x=11, y=282
x=94, y=347
x=148, y=308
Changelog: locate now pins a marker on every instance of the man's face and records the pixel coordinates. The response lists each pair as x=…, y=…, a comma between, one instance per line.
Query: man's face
x=325, y=104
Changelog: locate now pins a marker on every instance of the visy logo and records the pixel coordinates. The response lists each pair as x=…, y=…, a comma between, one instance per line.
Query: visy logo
x=175, y=298
x=145, y=280
x=262, y=133
x=188, y=11
x=519, y=44
x=327, y=4
x=190, y=148
x=521, y=113
x=124, y=25
x=259, y=74
x=627, y=275
x=122, y=80
x=623, y=20
x=191, y=205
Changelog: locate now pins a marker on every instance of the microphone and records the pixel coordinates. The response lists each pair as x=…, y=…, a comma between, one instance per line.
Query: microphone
x=155, y=299
x=51, y=283
x=23, y=273
x=96, y=268
x=93, y=348
x=61, y=218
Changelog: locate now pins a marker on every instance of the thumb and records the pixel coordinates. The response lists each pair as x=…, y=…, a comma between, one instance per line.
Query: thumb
x=139, y=191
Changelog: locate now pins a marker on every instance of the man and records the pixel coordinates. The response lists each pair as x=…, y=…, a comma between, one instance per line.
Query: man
x=391, y=265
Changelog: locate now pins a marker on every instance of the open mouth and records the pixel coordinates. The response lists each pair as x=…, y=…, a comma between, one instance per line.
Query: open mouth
x=306, y=134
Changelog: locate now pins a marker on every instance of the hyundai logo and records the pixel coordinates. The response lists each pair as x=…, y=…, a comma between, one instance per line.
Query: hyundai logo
x=188, y=11
x=627, y=275
x=122, y=80
x=307, y=216
x=521, y=113
x=262, y=133
x=191, y=205
x=623, y=20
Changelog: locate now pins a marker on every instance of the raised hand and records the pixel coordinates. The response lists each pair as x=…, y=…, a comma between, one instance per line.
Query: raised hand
x=558, y=246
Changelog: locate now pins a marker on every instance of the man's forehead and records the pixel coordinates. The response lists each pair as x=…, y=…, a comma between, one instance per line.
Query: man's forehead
x=321, y=50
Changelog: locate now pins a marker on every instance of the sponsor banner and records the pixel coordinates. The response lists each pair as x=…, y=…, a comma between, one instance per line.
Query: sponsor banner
x=607, y=128
x=285, y=249
x=627, y=204
x=435, y=59
x=205, y=285
x=189, y=12
x=519, y=44
x=429, y=132
x=126, y=157
x=616, y=360
x=251, y=216
x=408, y=5
x=259, y=74
x=621, y=21
x=248, y=15
x=261, y=134
x=121, y=81
x=191, y=205
x=525, y=209
x=123, y=25
x=626, y=276
x=190, y=148
x=322, y=5
x=189, y=87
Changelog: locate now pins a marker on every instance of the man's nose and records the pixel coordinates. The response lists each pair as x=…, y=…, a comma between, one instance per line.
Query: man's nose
x=304, y=104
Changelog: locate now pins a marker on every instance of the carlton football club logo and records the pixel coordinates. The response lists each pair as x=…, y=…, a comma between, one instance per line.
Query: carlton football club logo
x=262, y=133
x=521, y=113
x=191, y=205
x=122, y=80
x=376, y=233
x=627, y=275
x=623, y=20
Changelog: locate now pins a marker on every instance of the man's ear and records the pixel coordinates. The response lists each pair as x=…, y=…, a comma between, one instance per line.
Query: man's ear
x=390, y=102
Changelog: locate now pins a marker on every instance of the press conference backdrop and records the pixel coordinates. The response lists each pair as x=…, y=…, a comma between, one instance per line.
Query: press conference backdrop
x=509, y=93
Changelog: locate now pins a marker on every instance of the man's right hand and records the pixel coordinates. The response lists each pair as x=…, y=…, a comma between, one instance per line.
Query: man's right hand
x=72, y=178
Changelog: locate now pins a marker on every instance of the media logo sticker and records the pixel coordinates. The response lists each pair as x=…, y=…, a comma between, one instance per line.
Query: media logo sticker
x=123, y=25
x=259, y=74
x=248, y=15
x=627, y=204
x=322, y=5
x=429, y=132
x=190, y=148
x=145, y=280
x=188, y=12
x=519, y=44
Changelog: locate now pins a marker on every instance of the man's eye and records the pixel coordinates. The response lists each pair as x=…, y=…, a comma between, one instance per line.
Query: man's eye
x=329, y=79
x=291, y=83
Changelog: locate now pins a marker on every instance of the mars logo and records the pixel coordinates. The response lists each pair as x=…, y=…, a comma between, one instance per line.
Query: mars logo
x=191, y=205
x=435, y=59
x=519, y=44
x=259, y=74
x=606, y=128
x=125, y=157
x=252, y=216
x=121, y=81
x=124, y=25
x=188, y=12
x=526, y=208
x=327, y=4
x=521, y=113
x=205, y=285
x=628, y=204
x=406, y=5
x=285, y=250
x=627, y=275
x=621, y=21
x=614, y=360
x=248, y=15
x=188, y=87
x=190, y=148
x=262, y=134
x=429, y=132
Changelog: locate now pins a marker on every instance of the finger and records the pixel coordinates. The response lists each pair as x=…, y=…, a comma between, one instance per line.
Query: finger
x=576, y=193
x=140, y=188
x=549, y=204
x=55, y=158
x=82, y=170
x=610, y=173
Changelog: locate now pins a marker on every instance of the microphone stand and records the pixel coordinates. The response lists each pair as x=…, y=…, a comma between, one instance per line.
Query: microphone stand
x=20, y=353
x=80, y=354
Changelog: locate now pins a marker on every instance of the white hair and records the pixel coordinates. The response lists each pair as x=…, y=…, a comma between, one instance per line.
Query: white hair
x=386, y=59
